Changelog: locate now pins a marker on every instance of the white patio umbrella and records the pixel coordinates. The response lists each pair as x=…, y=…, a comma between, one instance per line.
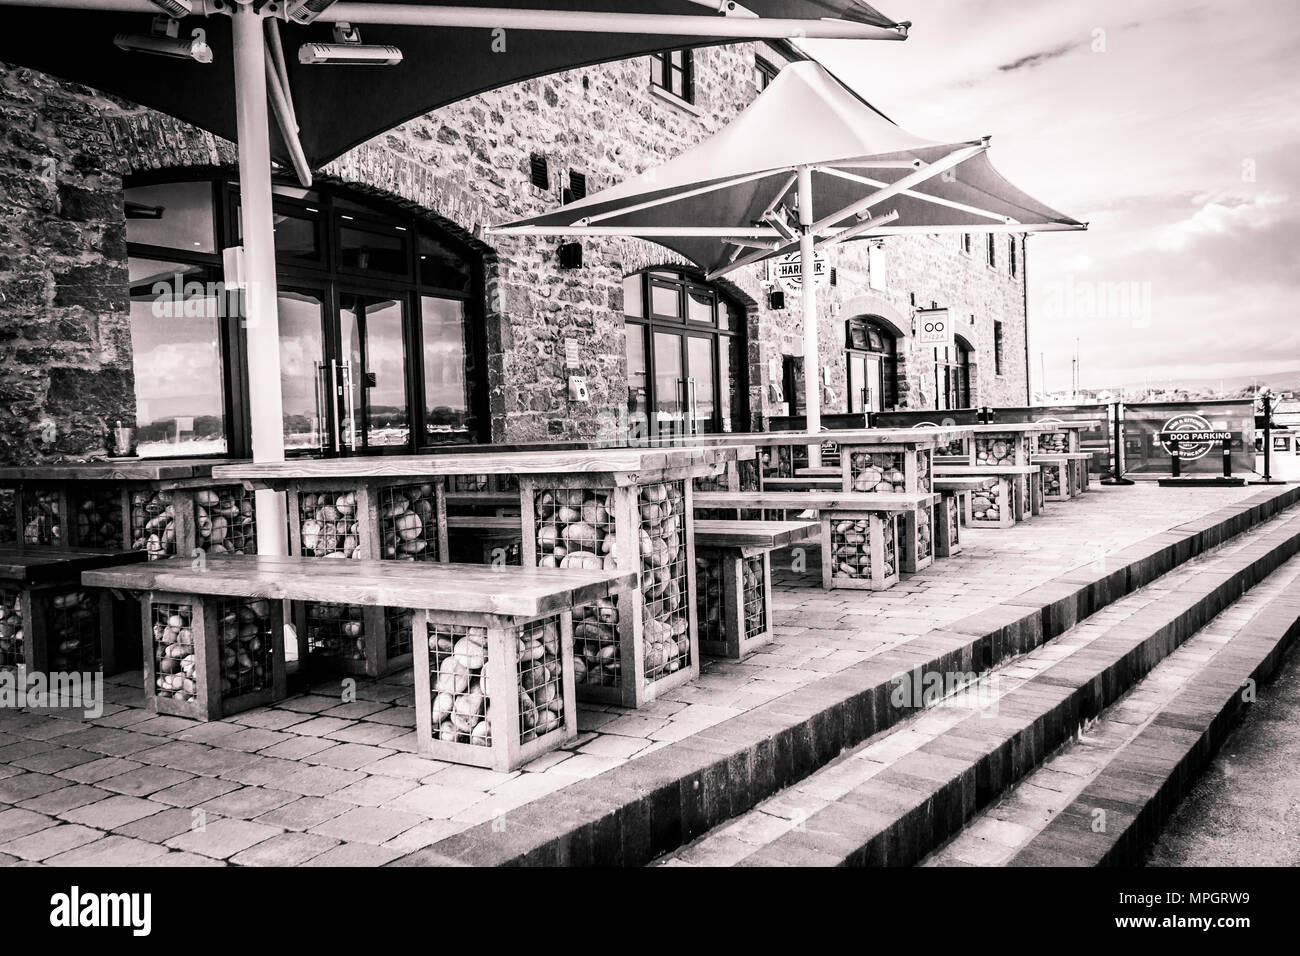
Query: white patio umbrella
x=809, y=163
x=323, y=106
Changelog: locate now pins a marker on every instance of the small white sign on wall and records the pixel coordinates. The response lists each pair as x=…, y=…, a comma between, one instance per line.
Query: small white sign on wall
x=934, y=327
x=876, y=266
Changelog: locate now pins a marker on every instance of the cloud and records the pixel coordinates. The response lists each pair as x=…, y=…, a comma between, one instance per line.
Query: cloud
x=1037, y=59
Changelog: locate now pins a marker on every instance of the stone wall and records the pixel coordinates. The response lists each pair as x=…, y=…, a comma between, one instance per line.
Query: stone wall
x=65, y=350
x=467, y=164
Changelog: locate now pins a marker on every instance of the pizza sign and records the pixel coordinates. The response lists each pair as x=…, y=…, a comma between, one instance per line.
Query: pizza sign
x=1189, y=437
x=933, y=327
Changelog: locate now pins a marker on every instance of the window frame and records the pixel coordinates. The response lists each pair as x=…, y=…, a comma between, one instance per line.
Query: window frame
x=997, y=347
x=765, y=69
x=991, y=251
x=667, y=70
x=327, y=275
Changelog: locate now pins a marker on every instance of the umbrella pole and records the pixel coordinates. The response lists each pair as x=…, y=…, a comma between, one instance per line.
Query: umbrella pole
x=811, y=369
x=261, y=318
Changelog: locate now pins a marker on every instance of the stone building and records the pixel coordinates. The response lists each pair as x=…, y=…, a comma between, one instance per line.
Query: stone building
x=113, y=219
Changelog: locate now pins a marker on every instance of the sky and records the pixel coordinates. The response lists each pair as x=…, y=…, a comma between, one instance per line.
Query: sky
x=1171, y=126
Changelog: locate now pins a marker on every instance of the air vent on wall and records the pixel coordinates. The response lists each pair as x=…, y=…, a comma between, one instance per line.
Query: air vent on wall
x=539, y=172
x=577, y=187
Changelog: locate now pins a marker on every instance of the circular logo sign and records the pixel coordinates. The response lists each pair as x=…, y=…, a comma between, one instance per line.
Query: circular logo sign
x=1187, y=450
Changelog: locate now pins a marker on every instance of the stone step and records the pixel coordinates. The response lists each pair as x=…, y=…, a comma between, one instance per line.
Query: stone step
x=902, y=794
x=1018, y=818
x=1120, y=811
x=649, y=806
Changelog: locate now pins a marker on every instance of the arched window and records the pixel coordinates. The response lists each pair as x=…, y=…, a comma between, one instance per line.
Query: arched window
x=952, y=376
x=871, y=359
x=380, y=339
x=686, y=363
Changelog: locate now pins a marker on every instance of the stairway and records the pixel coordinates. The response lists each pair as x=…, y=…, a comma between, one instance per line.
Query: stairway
x=1071, y=751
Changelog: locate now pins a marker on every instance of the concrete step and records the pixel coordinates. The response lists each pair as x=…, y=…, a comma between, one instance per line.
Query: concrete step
x=639, y=810
x=1034, y=818
x=896, y=798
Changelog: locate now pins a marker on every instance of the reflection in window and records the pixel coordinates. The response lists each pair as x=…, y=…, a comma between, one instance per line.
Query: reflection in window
x=173, y=216
x=303, y=384
x=373, y=251
x=175, y=335
x=446, y=385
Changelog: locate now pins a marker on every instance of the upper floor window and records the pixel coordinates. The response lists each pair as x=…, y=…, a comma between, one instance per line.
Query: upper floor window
x=966, y=242
x=764, y=73
x=997, y=347
x=1013, y=263
x=992, y=247
x=673, y=71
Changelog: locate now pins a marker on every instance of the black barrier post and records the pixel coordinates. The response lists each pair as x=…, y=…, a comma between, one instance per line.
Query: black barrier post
x=1227, y=458
x=1176, y=460
x=1268, y=478
x=1117, y=471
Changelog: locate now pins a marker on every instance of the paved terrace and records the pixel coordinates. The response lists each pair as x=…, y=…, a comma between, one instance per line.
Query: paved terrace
x=319, y=782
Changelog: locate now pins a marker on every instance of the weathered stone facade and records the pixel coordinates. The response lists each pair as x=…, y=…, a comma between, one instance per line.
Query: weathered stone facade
x=62, y=261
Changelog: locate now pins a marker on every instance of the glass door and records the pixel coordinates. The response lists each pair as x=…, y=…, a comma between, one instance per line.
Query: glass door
x=304, y=373
x=865, y=383
x=373, y=411
x=701, y=387
x=670, y=386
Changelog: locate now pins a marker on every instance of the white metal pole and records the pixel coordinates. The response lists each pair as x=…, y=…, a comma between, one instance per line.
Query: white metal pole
x=263, y=325
x=811, y=371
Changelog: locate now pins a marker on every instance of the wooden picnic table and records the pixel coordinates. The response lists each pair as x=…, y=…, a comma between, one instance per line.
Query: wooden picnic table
x=624, y=508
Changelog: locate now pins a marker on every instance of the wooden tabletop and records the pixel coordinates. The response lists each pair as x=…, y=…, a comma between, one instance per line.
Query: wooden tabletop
x=461, y=588
x=960, y=482
x=754, y=534
x=633, y=461
x=42, y=565
x=1013, y=428
x=893, y=502
x=917, y=437
x=121, y=469
x=949, y=471
x=485, y=523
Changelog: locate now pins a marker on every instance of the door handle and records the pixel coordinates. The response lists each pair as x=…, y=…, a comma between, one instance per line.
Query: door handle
x=322, y=418
x=352, y=408
x=693, y=406
x=334, y=396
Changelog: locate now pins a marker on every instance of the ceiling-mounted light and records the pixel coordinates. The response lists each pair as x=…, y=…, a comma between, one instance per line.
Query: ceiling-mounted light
x=348, y=50
x=174, y=8
x=165, y=40
x=306, y=11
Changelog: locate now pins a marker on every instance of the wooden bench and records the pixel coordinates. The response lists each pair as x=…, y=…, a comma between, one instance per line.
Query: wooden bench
x=1018, y=493
x=822, y=472
x=862, y=545
x=49, y=621
x=493, y=648
x=487, y=539
x=733, y=586
x=1081, y=464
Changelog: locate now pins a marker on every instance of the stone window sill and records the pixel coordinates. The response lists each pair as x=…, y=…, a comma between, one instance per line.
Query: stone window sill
x=676, y=101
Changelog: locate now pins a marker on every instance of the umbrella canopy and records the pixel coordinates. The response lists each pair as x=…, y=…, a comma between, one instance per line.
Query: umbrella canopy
x=731, y=200
x=337, y=107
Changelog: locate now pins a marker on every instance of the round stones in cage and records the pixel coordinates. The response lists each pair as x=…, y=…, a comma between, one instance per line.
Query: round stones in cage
x=330, y=525
x=174, y=657
x=225, y=520
x=408, y=517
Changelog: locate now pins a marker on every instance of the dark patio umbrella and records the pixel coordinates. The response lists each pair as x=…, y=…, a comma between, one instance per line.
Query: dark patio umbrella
x=337, y=108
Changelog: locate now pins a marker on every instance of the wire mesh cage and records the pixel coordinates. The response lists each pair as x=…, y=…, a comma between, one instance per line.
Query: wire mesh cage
x=42, y=517
x=225, y=520
x=329, y=526
x=753, y=581
x=997, y=449
x=1053, y=479
x=747, y=471
x=153, y=523
x=664, y=582
x=397, y=631
x=851, y=545
x=96, y=520
x=922, y=533
x=923, y=473
x=246, y=632
x=8, y=516
x=710, y=596
x=336, y=633
x=541, y=679
x=576, y=529
x=458, y=660
x=408, y=522
x=175, y=661
x=1053, y=443
x=877, y=471
x=953, y=506
x=13, y=648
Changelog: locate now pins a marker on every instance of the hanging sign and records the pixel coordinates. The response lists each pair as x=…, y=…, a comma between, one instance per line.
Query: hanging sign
x=933, y=327
x=1189, y=437
x=787, y=271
